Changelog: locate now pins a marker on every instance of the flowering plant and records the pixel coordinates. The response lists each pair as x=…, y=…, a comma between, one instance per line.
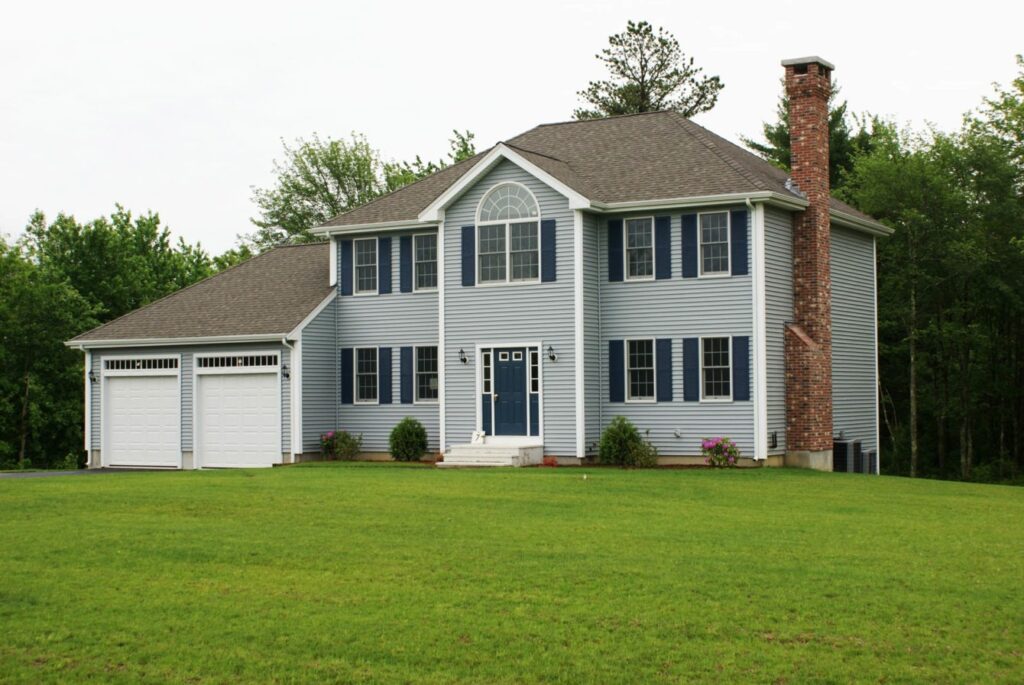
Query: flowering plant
x=719, y=452
x=340, y=445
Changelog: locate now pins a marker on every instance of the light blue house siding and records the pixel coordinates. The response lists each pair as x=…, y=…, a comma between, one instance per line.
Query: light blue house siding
x=778, y=257
x=594, y=376
x=394, y=320
x=677, y=308
x=853, y=336
x=187, y=365
x=319, y=347
x=496, y=314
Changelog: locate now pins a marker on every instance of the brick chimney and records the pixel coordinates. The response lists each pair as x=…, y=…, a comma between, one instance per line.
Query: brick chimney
x=809, y=336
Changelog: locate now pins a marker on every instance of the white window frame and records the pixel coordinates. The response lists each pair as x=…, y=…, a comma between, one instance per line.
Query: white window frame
x=437, y=272
x=654, y=360
x=489, y=348
x=625, y=250
x=416, y=372
x=728, y=248
x=507, y=223
x=732, y=373
x=356, y=267
x=355, y=375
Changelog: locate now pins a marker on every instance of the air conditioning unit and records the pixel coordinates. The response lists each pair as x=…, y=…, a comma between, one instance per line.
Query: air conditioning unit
x=847, y=456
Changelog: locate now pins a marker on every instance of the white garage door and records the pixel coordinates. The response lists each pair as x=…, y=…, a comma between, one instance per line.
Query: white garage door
x=142, y=421
x=238, y=417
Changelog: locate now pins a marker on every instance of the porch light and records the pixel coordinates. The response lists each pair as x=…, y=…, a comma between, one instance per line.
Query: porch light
x=285, y=372
x=462, y=356
x=92, y=376
x=551, y=353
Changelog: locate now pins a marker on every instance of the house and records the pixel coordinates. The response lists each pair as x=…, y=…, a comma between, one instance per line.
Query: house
x=638, y=265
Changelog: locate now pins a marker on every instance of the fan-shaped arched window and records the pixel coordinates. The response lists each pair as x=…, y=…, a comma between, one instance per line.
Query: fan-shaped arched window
x=508, y=227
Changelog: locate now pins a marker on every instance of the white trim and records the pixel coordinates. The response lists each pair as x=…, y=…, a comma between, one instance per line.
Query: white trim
x=376, y=268
x=732, y=371
x=878, y=383
x=511, y=439
x=415, y=371
x=240, y=370
x=296, y=332
x=164, y=342
x=442, y=352
x=579, y=349
x=760, y=370
x=480, y=204
x=728, y=246
x=355, y=374
x=412, y=257
x=295, y=383
x=654, y=370
x=625, y=251
x=104, y=374
x=792, y=202
x=381, y=226
x=489, y=161
x=863, y=225
x=88, y=408
x=332, y=279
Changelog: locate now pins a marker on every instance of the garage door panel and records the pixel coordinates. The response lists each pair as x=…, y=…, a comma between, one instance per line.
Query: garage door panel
x=239, y=419
x=142, y=421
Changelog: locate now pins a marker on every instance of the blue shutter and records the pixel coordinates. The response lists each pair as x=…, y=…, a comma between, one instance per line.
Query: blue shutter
x=663, y=247
x=691, y=369
x=738, y=242
x=384, y=375
x=346, y=266
x=485, y=413
x=405, y=264
x=741, y=368
x=547, y=250
x=346, y=375
x=616, y=371
x=615, y=250
x=384, y=266
x=663, y=357
x=405, y=375
x=690, y=255
x=468, y=255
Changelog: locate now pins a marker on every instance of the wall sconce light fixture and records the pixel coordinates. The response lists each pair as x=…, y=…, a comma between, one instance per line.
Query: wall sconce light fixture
x=92, y=377
x=551, y=353
x=285, y=371
x=462, y=356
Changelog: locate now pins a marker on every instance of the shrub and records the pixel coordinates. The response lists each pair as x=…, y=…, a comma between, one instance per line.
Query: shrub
x=340, y=445
x=408, y=440
x=719, y=452
x=622, y=445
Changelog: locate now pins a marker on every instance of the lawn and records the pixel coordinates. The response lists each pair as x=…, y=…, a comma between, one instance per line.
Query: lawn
x=370, y=573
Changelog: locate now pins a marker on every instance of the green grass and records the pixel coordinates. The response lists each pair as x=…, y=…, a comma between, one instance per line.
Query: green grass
x=369, y=573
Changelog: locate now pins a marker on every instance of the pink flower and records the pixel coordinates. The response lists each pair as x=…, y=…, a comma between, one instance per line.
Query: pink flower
x=330, y=434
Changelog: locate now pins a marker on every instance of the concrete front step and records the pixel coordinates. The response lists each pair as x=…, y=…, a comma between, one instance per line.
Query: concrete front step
x=492, y=455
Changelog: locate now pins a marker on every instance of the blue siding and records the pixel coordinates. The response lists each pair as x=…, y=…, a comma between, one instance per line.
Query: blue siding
x=319, y=377
x=778, y=257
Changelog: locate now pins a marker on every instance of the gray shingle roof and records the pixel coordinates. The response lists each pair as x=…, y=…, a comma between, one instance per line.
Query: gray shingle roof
x=267, y=295
x=654, y=156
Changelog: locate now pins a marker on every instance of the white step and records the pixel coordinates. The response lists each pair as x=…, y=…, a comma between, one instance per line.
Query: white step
x=492, y=455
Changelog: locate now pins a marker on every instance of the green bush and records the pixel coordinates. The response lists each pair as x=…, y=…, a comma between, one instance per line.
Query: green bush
x=408, y=440
x=622, y=445
x=340, y=445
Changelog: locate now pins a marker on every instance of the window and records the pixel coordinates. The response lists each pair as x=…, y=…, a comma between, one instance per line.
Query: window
x=425, y=262
x=639, y=249
x=714, y=243
x=426, y=374
x=640, y=369
x=236, y=361
x=366, y=374
x=366, y=265
x=487, y=372
x=509, y=235
x=715, y=369
x=534, y=371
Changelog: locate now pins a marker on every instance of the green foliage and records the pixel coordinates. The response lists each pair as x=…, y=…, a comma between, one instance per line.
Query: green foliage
x=320, y=178
x=648, y=72
x=408, y=440
x=340, y=445
x=622, y=445
x=719, y=452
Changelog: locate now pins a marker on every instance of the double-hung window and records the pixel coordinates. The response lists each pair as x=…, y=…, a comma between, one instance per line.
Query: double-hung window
x=640, y=370
x=366, y=375
x=639, y=249
x=714, y=243
x=509, y=235
x=426, y=374
x=366, y=265
x=425, y=262
x=716, y=369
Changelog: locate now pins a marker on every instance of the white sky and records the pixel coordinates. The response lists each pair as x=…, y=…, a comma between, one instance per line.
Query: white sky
x=179, y=107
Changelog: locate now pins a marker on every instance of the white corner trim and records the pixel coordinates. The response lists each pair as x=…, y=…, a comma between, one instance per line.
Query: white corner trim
x=333, y=277
x=442, y=353
x=760, y=334
x=88, y=407
x=489, y=161
x=878, y=381
x=296, y=395
x=578, y=321
x=296, y=333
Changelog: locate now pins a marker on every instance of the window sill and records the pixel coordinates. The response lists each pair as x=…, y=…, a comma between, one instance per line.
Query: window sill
x=724, y=274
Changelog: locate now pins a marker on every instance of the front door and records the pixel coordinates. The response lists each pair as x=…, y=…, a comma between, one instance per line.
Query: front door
x=510, y=391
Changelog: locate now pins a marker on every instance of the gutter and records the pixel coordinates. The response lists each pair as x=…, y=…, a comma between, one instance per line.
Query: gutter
x=155, y=342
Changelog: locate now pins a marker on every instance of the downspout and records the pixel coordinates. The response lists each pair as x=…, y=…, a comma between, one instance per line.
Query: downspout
x=759, y=331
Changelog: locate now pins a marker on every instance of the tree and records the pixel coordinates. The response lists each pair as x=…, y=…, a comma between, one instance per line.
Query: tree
x=845, y=142
x=648, y=72
x=321, y=178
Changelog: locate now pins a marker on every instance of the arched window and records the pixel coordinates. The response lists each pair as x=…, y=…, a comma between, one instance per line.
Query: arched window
x=508, y=227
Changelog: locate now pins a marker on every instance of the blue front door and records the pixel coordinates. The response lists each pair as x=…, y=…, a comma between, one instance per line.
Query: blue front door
x=510, y=391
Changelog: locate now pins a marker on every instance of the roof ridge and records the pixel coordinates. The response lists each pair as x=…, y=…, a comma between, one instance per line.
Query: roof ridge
x=190, y=286
x=534, y=152
x=597, y=119
x=702, y=135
